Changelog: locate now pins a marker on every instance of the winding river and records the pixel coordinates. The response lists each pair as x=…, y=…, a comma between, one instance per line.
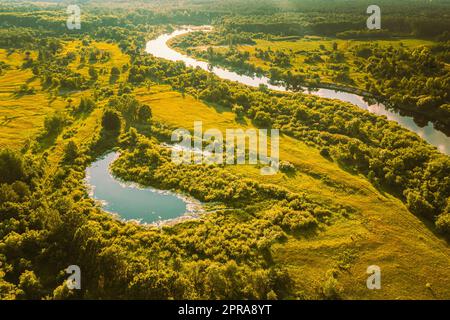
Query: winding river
x=159, y=48
x=152, y=206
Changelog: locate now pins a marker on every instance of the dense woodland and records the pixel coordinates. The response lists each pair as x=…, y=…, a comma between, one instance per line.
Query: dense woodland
x=48, y=220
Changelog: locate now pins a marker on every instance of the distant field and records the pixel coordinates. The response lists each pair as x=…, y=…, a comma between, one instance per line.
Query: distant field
x=381, y=232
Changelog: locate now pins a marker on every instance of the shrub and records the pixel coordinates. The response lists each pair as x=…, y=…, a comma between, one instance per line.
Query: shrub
x=70, y=151
x=443, y=223
x=86, y=104
x=144, y=113
x=111, y=120
x=11, y=166
x=418, y=204
x=330, y=288
x=54, y=123
x=263, y=119
x=298, y=220
x=286, y=166
x=325, y=152
x=238, y=110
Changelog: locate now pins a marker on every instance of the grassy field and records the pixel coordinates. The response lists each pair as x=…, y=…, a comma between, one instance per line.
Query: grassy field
x=381, y=232
x=22, y=116
x=117, y=58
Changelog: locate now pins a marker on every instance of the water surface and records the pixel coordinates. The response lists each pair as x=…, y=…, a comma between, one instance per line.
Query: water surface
x=132, y=202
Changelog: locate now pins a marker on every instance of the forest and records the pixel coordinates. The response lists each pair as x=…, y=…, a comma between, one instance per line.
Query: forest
x=351, y=183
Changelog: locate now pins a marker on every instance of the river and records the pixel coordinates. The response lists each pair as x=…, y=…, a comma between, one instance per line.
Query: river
x=159, y=48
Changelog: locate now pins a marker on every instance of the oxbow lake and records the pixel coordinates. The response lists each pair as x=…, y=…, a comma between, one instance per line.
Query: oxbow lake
x=131, y=202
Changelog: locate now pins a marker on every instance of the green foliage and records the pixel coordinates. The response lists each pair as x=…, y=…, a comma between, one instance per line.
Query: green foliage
x=53, y=124
x=286, y=166
x=298, y=220
x=325, y=152
x=418, y=204
x=93, y=73
x=29, y=286
x=71, y=151
x=443, y=223
x=411, y=79
x=262, y=119
x=443, y=220
x=86, y=105
x=111, y=120
x=331, y=289
x=11, y=166
x=239, y=110
x=144, y=113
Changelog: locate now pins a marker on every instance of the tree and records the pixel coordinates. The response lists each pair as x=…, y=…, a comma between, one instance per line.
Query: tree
x=325, y=152
x=286, y=166
x=11, y=166
x=30, y=285
x=271, y=295
x=8, y=291
x=418, y=204
x=443, y=223
x=70, y=151
x=443, y=220
x=263, y=87
x=63, y=292
x=93, y=73
x=21, y=189
x=111, y=120
x=133, y=136
x=54, y=123
x=239, y=111
x=115, y=72
x=262, y=119
x=144, y=113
